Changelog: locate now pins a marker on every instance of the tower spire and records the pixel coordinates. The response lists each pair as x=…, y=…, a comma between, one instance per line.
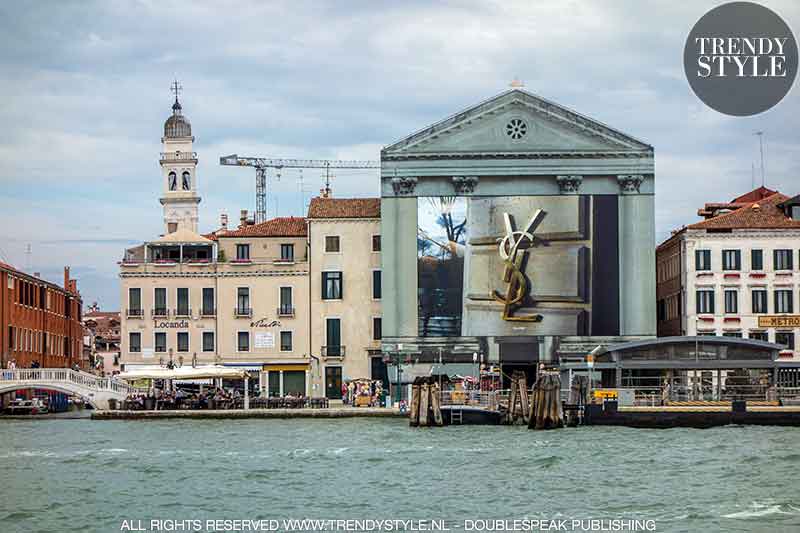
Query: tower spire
x=176, y=89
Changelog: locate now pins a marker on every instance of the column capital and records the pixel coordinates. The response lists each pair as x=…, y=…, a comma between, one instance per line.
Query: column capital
x=630, y=183
x=569, y=184
x=465, y=184
x=404, y=185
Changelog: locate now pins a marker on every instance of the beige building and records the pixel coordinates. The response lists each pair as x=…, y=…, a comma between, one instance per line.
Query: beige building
x=345, y=265
x=248, y=296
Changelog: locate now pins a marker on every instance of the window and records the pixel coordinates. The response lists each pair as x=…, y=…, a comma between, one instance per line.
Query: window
x=172, y=180
x=135, y=342
x=333, y=337
x=796, y=212
x=783, y=301
x=186, y=181
x=376, y=284
x=161, y=341
x=705, y=302
x=243, y=341
x=783, y=259
x=757, y=260
x=208, y=301
x=759, y=336
x=135, y=301
x=731, y=302
x=759, y=301
x=286, y=301
x=702, y=260
x=731, y=259
x=376, y=243
x=183, y=302
x=287, y=252
x=286, y=341
x=332, y=244
x=377, y=328
x=331, y=285
x=735, y=334
x=242, y=252
x=172, y=227
x=183, y=341
x=208, y=341
x=243, y=301
x=785, y=338
x=661, y=309
x=160, y=301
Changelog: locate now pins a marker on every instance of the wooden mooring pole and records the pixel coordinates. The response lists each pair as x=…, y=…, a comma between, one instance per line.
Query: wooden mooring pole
x=546, y=402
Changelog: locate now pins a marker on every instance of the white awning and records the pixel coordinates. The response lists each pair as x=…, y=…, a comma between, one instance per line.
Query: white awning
x=200, y=372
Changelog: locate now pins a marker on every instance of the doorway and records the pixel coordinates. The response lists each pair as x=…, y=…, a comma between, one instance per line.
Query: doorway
x=333, y=382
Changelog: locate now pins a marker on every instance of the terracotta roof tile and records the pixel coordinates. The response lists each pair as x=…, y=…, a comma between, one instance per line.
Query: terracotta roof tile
x=761, y=214
x=344, y=208
x=276, y=227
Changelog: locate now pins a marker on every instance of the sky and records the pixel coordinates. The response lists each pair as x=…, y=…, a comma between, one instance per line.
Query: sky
x=85, y=92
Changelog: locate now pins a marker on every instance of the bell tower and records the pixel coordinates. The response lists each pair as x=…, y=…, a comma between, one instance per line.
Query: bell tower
x=178, y=171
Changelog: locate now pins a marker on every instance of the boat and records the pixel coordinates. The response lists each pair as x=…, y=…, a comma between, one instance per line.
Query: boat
x=26, y=407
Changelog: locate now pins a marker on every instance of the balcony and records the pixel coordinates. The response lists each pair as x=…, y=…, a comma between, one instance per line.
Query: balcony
x=160, y=312
x=285, y=311
x=182, y=312
x=243, y=312
x=134, y=313
x=212, y=311
x=332, y=351
x=178, y=156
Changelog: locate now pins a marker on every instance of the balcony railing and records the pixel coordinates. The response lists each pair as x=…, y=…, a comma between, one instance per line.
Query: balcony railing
x=160, y=312
x=178, y=156
x=134, y=313
x=183, y=312
x=243, y=312
x=285, y=310
x=332, y=351
x=208, y=311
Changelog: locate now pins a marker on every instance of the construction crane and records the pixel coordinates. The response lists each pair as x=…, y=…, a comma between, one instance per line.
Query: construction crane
x=261, y=164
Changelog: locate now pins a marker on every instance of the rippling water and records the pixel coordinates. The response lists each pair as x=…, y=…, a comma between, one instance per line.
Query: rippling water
x=83, y=475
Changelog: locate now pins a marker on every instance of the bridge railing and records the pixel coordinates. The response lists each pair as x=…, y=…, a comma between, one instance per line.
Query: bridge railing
x=67, y=375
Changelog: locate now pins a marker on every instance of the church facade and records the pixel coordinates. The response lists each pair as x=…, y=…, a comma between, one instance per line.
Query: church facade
x=513, y=229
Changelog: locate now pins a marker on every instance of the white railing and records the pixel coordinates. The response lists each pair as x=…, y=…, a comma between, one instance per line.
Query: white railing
x=472, y=398
x=66, y=375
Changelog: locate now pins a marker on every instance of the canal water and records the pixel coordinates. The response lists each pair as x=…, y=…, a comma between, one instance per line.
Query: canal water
x=61, y=475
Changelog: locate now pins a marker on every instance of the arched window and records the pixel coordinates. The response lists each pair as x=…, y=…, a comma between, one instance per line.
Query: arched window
x=187, y=182
x=172, y=181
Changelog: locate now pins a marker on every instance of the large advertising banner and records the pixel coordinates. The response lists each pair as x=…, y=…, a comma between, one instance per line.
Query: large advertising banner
x=505, y=266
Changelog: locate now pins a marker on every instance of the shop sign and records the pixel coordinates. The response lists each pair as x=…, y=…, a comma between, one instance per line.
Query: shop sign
x=779, y=321
x=265, y=323
x=265, y=340
x=166, y=324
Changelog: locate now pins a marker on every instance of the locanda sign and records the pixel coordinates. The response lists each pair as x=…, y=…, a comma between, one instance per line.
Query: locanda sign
x=740, y=58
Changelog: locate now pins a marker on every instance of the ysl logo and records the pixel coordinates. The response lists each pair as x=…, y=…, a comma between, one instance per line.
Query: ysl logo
x=514, y=251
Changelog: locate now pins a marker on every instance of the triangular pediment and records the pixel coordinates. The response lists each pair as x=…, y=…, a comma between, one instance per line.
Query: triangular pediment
x=516, y=121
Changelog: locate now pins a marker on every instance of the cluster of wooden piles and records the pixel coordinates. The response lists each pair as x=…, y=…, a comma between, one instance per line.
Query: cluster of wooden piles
x=425, y=408
x=543, y=409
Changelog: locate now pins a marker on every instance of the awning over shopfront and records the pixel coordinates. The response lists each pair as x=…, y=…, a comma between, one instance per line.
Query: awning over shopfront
x=201, y=372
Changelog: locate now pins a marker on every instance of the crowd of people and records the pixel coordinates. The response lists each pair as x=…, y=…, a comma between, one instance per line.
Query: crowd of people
x=216, y=398
x=363, y=393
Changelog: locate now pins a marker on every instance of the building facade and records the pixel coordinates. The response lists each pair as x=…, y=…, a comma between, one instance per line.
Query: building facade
x=102, y=340
x=344, y=236
x=40, y=322
x=511, y=226
x=294, y=300
x=736, y=273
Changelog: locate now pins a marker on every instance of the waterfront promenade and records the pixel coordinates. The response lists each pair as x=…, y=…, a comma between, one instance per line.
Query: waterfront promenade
x=329, y=412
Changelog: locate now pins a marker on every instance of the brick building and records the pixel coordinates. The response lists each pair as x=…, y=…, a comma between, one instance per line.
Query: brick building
x=39, y=320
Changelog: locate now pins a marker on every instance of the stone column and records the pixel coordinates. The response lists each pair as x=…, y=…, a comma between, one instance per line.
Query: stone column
x=308, y=384
x=399, y=266
x=636, y=258
x=247, y=391
x=280, y=389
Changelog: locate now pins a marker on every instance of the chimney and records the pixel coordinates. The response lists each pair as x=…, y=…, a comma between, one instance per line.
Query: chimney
x=37, y=275
x=66, y=278
x=223, y=221
x=243, y=218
